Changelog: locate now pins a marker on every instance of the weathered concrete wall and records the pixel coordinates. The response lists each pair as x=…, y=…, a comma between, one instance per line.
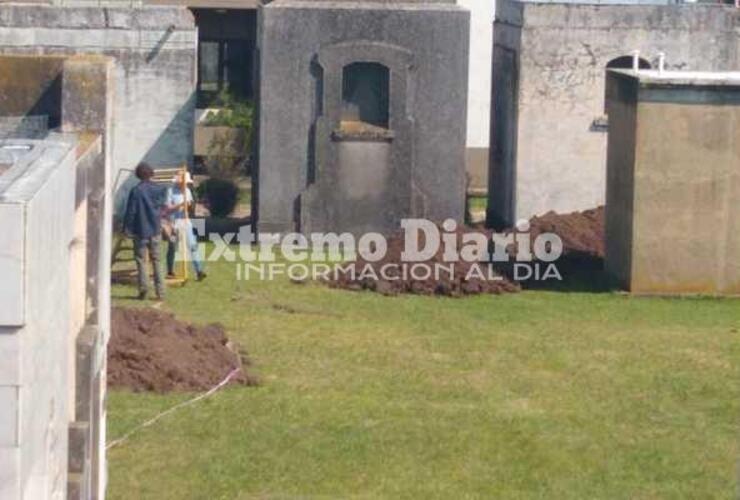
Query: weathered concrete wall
x=504, y=125
x=426, y=46
x=40, y=203
x=558, y=160
x=673, y=191
x=620, y=196
x=88, y=84
x=155, y=53
x=55, y=203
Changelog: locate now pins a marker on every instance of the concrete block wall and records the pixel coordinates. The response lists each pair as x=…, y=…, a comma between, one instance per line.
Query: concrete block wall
x=155, y=50
x=33, y=388
x=87, y=110
x=55, y=205
x=549, y=152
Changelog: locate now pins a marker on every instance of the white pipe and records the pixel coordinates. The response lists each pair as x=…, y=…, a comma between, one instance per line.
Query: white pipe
x=661, y=62
x=636, y=60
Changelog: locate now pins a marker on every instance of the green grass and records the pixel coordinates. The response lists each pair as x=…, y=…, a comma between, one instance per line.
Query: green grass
x=535, y=395
x=477, y=203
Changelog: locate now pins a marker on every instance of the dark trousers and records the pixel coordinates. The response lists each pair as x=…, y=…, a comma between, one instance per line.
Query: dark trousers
x=140, y=250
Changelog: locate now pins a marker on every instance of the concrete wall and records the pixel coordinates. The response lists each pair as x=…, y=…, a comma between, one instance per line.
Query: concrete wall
x=674, y=184
x=35, y=381
x=88, y=84
x=620, y=197
x=425, y=44
x=55, y=203
x=155, y=53
x=561, y=51
x=479, y=91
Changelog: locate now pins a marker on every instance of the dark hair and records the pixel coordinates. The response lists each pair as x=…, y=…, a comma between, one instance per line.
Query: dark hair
x=144, y=171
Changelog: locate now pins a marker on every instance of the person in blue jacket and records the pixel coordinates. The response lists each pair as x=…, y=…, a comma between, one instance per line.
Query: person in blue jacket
x=142, y=223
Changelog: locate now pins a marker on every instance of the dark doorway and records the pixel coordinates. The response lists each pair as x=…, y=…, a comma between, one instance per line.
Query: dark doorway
x=226, y=47
x=365, y=93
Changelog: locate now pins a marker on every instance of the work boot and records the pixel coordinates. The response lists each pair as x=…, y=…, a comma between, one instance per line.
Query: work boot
x=202, y=275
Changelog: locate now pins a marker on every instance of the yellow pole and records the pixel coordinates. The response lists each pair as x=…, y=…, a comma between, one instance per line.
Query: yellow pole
x=183, y=230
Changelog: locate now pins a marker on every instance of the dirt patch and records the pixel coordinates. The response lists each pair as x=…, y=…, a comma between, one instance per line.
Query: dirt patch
x=582, y=234
x=151, y=350
x=430, y=277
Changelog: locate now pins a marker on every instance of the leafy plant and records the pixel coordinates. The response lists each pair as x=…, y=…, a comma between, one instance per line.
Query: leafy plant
x=227, y=150
x=232, y=112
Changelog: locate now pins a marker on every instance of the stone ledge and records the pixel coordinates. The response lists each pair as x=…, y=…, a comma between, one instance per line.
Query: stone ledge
x=48, y=16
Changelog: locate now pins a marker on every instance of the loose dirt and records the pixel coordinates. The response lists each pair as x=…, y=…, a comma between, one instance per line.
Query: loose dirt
x=466, y=278
x=151, y=350
x=582, y=234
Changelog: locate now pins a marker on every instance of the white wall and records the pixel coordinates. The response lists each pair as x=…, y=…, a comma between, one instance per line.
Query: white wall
x=479, y=77
x=34, y=403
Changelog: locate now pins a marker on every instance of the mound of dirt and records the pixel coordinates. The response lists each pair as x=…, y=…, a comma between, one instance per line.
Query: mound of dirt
x=582, y=232
x=150, y=350
x=431, y=277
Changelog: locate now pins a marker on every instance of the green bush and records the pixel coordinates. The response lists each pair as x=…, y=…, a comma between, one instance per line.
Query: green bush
x=221, y=196
x=225, y=158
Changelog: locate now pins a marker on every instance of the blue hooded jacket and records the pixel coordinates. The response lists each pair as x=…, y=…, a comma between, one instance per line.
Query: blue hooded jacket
x=142, y=219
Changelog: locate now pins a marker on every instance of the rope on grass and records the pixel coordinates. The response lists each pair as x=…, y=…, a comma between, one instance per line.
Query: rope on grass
x=213, y=390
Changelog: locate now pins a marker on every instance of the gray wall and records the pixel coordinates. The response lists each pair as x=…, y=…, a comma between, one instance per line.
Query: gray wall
x=34, y=348
x=155, y=53
x=55, y=206
x=620, y=196
x=291, y=35
x=672, y=220
x=561, y=50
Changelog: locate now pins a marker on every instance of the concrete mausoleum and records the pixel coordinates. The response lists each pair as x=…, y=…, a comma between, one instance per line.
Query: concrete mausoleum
x=673, y=183
x=548, y=116
x=56, y=213
x=362, y=114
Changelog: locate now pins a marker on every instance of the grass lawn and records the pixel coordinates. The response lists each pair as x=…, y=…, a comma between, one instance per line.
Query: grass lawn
x=477, y=204
x=535, y=395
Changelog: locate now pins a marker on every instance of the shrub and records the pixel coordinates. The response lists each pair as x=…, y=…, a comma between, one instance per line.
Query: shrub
x=229, y=151
x=221, y=195
x=233, y=112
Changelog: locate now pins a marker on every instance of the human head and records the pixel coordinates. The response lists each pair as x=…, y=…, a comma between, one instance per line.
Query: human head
x=144, y=171
x=177, y=179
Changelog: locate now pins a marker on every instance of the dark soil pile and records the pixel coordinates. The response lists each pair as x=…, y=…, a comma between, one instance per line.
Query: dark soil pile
x=582, y=232
x=150, y=350
x=582, y=261
x=464, y=280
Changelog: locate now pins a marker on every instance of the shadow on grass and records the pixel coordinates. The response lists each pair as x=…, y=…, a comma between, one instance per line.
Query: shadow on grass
x=225, y=225
x=580, y=273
